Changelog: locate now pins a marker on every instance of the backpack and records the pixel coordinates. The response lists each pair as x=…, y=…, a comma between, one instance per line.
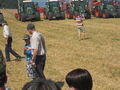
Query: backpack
x=2, y=63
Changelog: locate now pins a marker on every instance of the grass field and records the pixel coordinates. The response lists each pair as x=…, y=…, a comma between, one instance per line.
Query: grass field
x=100, y=54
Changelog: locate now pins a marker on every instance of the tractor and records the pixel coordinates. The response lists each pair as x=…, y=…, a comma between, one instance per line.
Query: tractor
x=78, y=7
x=106, y=8
x=53, y=10
x=27, y=11
x=1, y=19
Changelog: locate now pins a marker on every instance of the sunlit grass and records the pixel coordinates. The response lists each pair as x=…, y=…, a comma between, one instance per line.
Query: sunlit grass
x=100, y=54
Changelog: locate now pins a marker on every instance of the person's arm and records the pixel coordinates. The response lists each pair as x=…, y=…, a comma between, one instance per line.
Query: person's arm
x=43, y=42
x=25, y=51
x=35, y=52
x=34, y=48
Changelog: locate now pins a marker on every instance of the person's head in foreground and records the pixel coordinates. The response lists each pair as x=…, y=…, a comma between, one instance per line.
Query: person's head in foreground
x=41, y=85
x=4, y=23
x=3, y=77
x=79, y=79
x=26, y=38
x=31, y=28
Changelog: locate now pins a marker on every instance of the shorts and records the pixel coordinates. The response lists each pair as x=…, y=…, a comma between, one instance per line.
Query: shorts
x=81, y=29
x=31, y=71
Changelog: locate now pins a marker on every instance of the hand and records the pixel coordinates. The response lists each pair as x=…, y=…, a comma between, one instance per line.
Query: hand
x=32, y=62
x=29, y=48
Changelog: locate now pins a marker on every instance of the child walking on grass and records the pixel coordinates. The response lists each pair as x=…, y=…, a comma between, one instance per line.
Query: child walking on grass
x=31, y=72
x=80, y=26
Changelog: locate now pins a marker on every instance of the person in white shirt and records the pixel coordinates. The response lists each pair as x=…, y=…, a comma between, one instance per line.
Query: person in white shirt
x=8, y=46
x=38, y=49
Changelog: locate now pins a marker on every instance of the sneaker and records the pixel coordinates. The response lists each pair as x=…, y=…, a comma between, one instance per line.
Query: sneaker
x=18, y=58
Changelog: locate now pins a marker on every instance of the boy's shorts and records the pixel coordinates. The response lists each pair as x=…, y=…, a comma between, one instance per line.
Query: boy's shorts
x=81, y=29
x=31, y=71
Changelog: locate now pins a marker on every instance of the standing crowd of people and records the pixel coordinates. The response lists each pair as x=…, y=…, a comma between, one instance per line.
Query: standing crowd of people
x=35, y=52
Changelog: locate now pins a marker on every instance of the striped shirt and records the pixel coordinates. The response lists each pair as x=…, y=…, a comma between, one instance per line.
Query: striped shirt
x=79, y=21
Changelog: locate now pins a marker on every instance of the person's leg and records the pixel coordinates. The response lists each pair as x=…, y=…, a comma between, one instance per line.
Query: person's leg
x=40, y=63
x=79, y=34
x=7, y=48
x=14, y=53
x=84, y=34
x=82, y=31
x=7, y=53
x=10, y=49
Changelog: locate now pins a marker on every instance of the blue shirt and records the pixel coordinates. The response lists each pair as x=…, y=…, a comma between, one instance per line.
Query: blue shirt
x=28, y=53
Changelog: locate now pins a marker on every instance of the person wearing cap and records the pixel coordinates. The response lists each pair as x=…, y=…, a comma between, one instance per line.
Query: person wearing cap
x=8, y=37
x=3, y=76
x=38, y=49
x=80, y=26
x=31, y=72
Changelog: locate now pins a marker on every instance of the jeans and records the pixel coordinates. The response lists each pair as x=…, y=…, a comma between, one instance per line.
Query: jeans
x=8, y=49
x=40, y=64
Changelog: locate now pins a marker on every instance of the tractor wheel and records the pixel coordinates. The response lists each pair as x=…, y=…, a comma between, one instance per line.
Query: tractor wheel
x=37, y=16
x=88, y=15
x=62, y=15
x=50, y=15
x=105, y=14
x=18, y=18
x=76, y=13
x=1, y=18
x=22, y=18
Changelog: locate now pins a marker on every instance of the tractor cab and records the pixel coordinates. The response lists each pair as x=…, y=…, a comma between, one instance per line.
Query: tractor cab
x=78, y=7
x=27, y=8
x=53, y=6
x=53, y=10
x=27, y=11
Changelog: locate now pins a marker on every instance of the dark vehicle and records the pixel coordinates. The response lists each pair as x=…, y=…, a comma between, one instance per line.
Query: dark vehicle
x=106, y=8
x=1, y=19
x=78, y=7
x=53, y=10
x=27, y=11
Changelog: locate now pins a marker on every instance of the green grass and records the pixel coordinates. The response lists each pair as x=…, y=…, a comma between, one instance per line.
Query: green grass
x=100, y=54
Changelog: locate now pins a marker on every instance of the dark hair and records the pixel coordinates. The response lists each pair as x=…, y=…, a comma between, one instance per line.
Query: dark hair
x=3, y=79
x=80, y=79
x=41, y=85
x=30, y=26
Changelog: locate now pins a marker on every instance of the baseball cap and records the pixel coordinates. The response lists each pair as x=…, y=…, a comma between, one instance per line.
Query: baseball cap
x=30, y=26
x=26, y=36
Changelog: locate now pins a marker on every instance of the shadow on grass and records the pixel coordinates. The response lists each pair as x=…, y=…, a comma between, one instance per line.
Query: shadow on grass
x=87, y=38
x=19, y=59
